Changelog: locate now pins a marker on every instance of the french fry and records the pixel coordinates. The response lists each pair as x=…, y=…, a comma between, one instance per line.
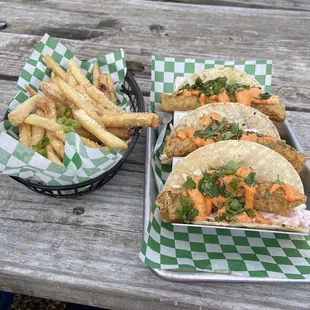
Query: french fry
x=77, y=73
x=90, y=143
x=37, y=133
x=51, y=155
x=18, y=115
x=71, y=79
x=93, y=127
x=78, y=100
x=81, y=89
x=25, y=134
x=84, y=133
x=60, y=135
x=111, y=88
x=30, y=91
x=54, y=66
x=52, y=91
x=57, y=145
x=43, y=122
x=102, y=99
x=53, y=77
x=129, y=120
x=106, y=85
x=49, y=107
x=96, y=75
x=122, y=133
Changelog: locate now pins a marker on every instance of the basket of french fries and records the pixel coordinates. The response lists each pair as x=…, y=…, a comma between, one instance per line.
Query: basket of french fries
x=72, y=124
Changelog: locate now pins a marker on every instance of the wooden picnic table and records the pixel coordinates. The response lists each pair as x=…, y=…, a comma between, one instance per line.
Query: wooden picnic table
x=46, y=249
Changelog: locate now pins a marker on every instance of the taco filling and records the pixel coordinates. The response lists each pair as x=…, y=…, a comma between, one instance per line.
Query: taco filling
x=191, y=96
x=233, y=194
x=214, y=128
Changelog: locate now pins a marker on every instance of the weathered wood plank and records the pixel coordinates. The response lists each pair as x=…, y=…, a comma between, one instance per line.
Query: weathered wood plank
x=93, y=258
x=302, y=5
x=286, y=44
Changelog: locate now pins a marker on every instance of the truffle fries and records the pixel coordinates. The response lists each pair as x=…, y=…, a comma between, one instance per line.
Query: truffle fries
x=96, y=75
x=54, y=66
x=129, y=120
x=25, y=134
x=37, y=133
x=94, y=128
x=78, y=100
x=18, y=115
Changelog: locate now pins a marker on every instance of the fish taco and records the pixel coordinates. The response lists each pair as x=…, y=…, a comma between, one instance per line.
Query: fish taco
x=231, y=121
x=222, y=85
x=235, y=184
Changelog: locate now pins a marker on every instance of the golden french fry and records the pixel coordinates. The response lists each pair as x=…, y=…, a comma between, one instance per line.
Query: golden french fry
x=77, y=73
x=53, y=77
x=43, y=122
x=49, y=107
x=111, y=88
x=103, y=85
x=52, y=91
x=78, y=100
x=106, y=85
x=25, y=134
x=101, y=98
x=37, y=133
x=130, y=120
x=122, y=133
x=96, y=75
x=54, y=66
x=51, y=155
x=71, y=79
x=30, y=91
x=84, y=133
x=57, y=145
x=60, y=135
x=93, y=127
x=90, y=143
x=18, y=115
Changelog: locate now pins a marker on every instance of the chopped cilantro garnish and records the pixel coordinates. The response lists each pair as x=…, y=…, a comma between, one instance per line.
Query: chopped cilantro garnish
x=249, y=212
x=250, y=179
x=205, y=133
x=231, y=167
x=268, y=195
x=221, y=205
x=264, y=96
x=233, y=183
x=272, y=145
x=189, y=183
x=227, y=135
x=186, y=211
x=207, y=185
x=278, y=181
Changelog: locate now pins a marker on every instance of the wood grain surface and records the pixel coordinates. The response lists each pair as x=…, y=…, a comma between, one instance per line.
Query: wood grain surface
x=47, y=250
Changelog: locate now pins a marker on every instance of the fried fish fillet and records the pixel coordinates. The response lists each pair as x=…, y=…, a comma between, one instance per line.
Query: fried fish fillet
x=276, y=202
x=169, y=202
x=176, y=147
x=171, y=103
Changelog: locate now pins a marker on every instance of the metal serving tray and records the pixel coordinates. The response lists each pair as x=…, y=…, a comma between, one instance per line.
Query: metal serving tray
x=150, y=192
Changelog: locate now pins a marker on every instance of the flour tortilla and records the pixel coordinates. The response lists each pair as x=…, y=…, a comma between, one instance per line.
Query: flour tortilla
x=233, y=76
x=267, y=164
x=246, y=117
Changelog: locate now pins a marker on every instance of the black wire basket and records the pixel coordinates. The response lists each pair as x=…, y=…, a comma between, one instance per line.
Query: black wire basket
x=131, y=88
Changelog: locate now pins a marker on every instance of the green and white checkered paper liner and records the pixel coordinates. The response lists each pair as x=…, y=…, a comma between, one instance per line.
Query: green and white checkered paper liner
x=80, y=163
x=238, y=252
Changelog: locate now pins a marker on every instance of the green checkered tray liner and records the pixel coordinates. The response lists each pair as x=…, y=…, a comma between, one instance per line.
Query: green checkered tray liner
x=80, y=163
x=237, y=252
